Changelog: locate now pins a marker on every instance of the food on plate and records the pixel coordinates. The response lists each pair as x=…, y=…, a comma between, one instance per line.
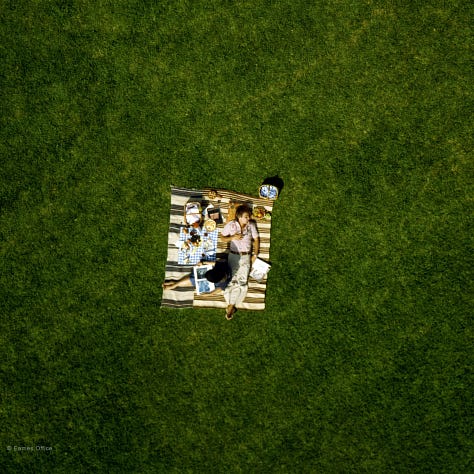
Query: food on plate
x=258, y=212
x=210, y=225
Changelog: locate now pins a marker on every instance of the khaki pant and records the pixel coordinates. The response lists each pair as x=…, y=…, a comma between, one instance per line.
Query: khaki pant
x=236, y=290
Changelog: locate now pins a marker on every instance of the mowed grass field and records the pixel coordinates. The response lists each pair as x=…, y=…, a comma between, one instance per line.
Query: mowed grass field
x=362, y=361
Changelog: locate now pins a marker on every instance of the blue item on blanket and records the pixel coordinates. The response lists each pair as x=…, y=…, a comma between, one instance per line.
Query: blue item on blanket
x=190, y=254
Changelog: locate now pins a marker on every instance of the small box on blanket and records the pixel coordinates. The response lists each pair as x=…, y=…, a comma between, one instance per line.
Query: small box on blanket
x=214, y=213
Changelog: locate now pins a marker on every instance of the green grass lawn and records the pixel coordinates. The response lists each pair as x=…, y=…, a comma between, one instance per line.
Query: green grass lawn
x=362, y=361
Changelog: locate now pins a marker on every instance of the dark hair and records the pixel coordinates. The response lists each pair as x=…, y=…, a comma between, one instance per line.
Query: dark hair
x=216, y=274
x=241, y=210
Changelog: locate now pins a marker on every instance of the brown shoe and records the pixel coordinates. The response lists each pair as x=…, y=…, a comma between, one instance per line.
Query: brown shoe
x=229, y=314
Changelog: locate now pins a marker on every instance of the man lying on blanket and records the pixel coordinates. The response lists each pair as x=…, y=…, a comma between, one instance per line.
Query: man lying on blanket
x=242, y=234
x=220, y=275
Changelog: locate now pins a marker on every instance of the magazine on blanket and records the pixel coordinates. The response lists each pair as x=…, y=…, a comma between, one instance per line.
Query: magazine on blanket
x=259, y=269
x=202, y=284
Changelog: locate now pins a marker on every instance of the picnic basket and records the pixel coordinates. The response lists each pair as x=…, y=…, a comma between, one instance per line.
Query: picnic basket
x=192, y=213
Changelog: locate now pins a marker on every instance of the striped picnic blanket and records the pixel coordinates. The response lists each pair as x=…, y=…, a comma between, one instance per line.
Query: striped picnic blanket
x=227, y=201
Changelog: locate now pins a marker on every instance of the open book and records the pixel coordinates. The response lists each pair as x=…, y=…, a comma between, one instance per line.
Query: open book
x=203, y=285
x=259, y=269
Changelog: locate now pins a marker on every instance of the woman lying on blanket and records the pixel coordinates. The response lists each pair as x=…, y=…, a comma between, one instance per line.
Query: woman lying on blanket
x=220, y=275
x=242, y=234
